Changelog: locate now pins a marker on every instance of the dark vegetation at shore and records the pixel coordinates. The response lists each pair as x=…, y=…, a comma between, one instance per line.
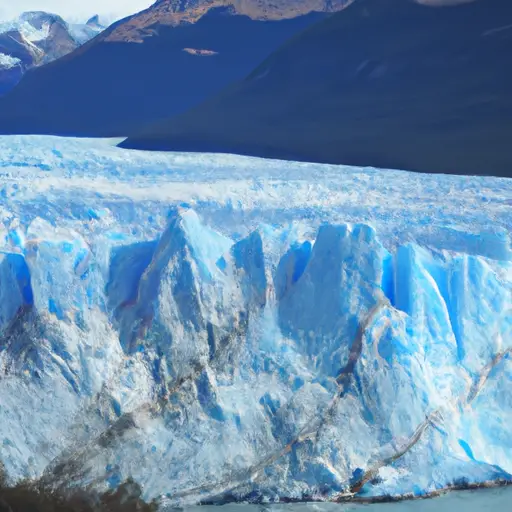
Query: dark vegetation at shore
x=33, y=497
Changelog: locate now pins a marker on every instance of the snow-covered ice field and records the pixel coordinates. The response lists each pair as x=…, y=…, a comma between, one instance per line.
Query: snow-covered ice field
x=219, y=326
x=69, y=178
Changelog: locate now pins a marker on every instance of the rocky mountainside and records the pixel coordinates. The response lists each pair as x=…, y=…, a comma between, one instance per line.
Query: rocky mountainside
x=180, y=12
x=155, y=64
x=34, y=39
x=386, y=83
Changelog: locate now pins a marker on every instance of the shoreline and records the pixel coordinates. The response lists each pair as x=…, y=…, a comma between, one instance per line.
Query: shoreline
x=431, y=495
x=361, y=500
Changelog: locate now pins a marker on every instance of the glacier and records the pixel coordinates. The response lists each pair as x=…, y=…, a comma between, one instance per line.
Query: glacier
x=8, y=62
x=228, y=328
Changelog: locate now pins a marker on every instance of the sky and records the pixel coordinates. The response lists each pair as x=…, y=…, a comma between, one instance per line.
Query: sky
x=74, y=10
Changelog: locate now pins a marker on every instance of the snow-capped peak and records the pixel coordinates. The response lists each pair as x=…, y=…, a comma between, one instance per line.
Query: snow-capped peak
x=38, y=37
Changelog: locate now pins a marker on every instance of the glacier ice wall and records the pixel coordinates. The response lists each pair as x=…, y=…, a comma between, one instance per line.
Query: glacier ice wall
x=220, y=327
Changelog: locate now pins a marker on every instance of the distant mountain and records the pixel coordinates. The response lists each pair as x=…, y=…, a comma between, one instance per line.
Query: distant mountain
x=84, y=32
x=181, y=12
x=155, y=64
x=94, y=23
x=34, y=39
x=386, y=83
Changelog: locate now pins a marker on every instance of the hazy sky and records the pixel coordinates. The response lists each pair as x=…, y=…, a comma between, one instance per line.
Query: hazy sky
x=74, y=10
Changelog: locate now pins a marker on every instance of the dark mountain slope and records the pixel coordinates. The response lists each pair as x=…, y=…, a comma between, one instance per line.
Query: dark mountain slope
x=153, y=65
x=387, y=83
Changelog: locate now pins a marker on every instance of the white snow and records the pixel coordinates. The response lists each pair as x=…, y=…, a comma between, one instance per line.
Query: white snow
x=82, y=33
x=32, y=35
x=8, y=62
x=28, y=31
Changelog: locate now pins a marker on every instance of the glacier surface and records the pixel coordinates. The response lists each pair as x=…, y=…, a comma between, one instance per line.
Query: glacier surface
x=220, y=327
x=8, y=62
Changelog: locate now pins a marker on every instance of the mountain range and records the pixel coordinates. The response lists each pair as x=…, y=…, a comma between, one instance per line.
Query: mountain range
x=385, y=83
x=362, y=83
x=155, y=64
x=190, y=328
x=37, y=38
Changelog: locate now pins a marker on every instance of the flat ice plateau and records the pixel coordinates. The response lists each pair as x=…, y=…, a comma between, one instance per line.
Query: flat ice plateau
x=228, y=328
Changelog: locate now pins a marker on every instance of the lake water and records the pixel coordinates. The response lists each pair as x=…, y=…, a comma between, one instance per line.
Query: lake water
x=495, y=500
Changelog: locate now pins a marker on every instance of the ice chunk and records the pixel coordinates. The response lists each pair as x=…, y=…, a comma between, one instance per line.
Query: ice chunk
x=179, y=294
x=127, y=265
x=15, y=288
x=249, y=261
x=339, y=284
x=481, y=298
x=291, y=267
x=58, y=260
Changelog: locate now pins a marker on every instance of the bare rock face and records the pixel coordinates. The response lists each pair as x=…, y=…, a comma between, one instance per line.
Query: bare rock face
x=57, y=40
x=178, y=12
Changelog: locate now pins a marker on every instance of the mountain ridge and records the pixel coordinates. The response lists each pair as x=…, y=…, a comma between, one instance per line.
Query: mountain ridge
x=433, y=105
x=111, y=86
x=178, y=12
x=37, y=38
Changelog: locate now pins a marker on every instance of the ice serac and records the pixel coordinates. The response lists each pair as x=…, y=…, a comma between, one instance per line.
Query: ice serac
x=214, y=361
x=338, y=286
x=178, y=296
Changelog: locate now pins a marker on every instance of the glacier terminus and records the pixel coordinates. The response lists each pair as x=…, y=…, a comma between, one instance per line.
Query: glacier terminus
x=225, y=328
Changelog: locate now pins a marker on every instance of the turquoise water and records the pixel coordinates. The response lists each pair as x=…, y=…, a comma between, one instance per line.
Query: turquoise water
x=495, y=500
